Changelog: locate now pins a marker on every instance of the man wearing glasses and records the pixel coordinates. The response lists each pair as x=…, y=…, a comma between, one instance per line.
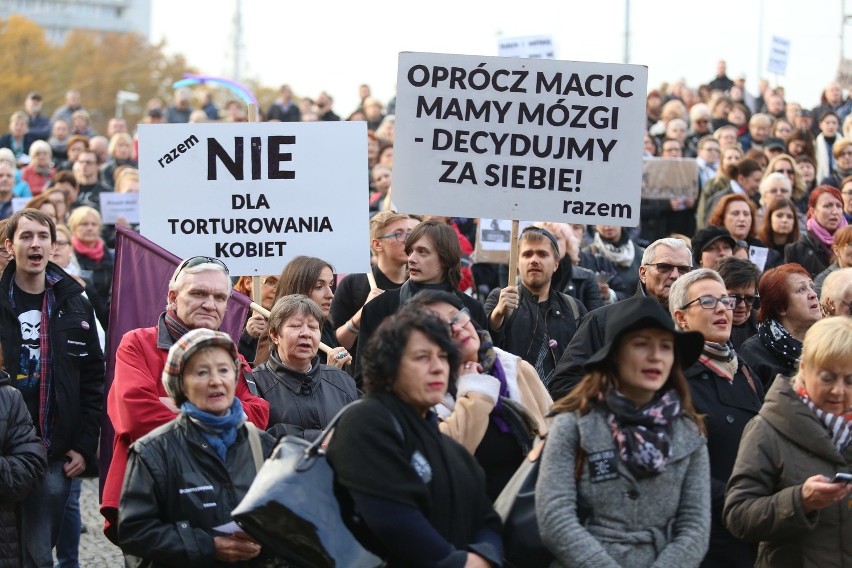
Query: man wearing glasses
x=137, y=401
x=664, y=261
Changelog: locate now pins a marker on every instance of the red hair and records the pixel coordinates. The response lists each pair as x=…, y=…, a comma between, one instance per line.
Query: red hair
x=817, y=192
x=772, y=288
x=717, y=217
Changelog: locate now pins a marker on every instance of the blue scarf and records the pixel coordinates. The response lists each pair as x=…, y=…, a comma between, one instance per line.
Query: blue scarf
x=220, y=431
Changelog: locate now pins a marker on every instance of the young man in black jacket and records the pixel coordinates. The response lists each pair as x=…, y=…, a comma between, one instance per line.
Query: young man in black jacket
x=52, y=352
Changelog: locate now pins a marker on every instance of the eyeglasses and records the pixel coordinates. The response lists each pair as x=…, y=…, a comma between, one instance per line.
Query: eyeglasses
x=460, y=320
x=749, y=300
x=709, y=302
x=666, y=268
x=198, y=260
x=398, y=236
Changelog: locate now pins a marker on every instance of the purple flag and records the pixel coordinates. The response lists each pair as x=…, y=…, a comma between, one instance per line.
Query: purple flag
x=139, y=286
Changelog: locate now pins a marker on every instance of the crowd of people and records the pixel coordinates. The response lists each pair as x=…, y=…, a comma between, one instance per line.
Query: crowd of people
x=692, y=376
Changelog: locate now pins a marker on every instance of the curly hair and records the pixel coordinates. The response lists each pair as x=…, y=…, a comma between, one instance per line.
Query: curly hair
x=384, y=351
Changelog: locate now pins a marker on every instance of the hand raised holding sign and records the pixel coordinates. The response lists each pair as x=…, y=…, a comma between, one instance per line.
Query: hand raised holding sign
x=509, y=300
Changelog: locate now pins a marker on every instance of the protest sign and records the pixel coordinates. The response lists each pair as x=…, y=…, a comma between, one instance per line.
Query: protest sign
x=255, y=195
x=493, y=240
x=533, y=47
x=19, y=203
x=525, y=139
x=669, y=178
x=115, y=205
x=779, y=54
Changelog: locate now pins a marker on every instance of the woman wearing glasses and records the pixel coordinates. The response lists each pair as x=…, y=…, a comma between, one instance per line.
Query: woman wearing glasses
x=499, y=399
x=789, y=306
x=724, y=390
x=842, y=151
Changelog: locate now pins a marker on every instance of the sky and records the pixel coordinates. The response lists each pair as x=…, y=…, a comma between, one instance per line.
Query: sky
x=336, y=45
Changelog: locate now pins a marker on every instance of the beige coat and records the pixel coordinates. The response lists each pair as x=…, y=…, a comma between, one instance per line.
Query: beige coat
x=465, y=419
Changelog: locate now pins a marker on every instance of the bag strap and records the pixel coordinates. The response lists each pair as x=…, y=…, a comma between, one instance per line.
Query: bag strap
x=572, y=303
x=254, y=444
x=317, y=444
x=747, y=374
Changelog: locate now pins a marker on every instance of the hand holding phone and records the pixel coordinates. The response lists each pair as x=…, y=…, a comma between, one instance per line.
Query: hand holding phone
x=842, y=478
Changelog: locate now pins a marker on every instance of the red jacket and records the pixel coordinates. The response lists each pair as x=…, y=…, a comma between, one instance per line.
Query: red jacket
x=134, y=406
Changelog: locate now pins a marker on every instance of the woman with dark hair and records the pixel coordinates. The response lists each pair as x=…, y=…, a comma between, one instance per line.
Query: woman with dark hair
x=303, y=394
x=807, y=168
x=645, y=489
x=842, y=250
x=829, y=124
x=723, y=390
x=825, y=216
x=846, y=193
x=419, y=493
x=780, y=225
x=743, y=177
x=494, y=387
x=614, y=244
x=781, y=491
x=741, y=278
x=801, y=142
x=312, y=277
x=789, y=306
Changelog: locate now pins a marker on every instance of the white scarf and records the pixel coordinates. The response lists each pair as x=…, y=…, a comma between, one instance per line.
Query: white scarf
x=619, y=255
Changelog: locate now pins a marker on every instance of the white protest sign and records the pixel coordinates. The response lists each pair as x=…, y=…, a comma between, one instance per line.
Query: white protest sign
x=494, y=240
x=533, y=47
x=669, y=178
x=19, y=203
x=255, y=195
x=525, y=139
x=758, y=255
x=779, y=54
x=115, y=205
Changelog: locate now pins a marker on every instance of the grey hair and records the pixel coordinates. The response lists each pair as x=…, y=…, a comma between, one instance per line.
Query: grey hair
x=679, y=292
x=835, y=285
x=293, y=305
x=650, y=254
x=764, y=183
x=177, y=279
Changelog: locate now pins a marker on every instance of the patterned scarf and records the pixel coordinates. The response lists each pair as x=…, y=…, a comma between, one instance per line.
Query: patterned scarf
x=46, y=399
x=786, y=348
x=620, y=254
x=174, y=326
x=721, y=359
x=220, y=431
x=643, y=435
x=492, y=366
x=838, y=425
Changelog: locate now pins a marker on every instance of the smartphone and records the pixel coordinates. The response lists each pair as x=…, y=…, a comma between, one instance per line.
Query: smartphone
x=842, y=478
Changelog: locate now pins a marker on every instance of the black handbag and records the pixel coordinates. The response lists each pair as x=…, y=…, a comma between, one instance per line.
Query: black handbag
x=292, y=509
x=522, y=545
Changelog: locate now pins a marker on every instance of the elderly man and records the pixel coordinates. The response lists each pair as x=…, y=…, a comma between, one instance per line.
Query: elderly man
x=664, y=261
x=7, y=185
x=137, y=401
x=72, y=103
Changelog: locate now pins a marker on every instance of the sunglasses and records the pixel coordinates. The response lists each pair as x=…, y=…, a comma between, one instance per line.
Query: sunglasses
x=666, y=268
x=198, y=260
x=749, y=300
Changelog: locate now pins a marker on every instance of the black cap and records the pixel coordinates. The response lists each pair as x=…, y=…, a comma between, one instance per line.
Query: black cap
x=775, y=144
x=34, y=95
x=707, y=236
x=805, y=112
x=642, y=312
x=155, y=112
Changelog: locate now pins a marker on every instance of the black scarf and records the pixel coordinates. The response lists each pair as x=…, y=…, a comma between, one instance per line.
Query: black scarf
x=786, y=348
x=643, y=435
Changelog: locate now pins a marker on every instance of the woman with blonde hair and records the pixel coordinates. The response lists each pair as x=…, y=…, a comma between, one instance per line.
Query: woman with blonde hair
x=783, y=491
x=96, y=260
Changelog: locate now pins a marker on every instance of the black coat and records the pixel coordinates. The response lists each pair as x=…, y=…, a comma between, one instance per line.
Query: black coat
x=78, y=363
x=23, y=460
x=809, y=252
x=727, y=408
x=579, y=283
x=173, y=476
x=302, y=404
x=100, y=275
x=522, y=334
x=763, y=362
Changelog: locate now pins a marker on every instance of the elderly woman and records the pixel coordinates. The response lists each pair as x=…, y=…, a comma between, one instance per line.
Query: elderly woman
x=842, y=251
x=788, y=308
x=420, y=494
x=781, y=491
x=824, y=218
x=40, y=169
x=645, y=488
x=723, y=390
x=741, y=278
x=842, y=152
x=303, y=394
x=482, y=413
x=786, y=165
x=314, y=278
x=615, y=244
x=772, y=188
x=836, y=295
x=846, y=193
x=95, y=259
x=184, y=478
x=120, y=152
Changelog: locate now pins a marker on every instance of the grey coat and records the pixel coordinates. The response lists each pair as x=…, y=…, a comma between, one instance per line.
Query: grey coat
x=656, y=521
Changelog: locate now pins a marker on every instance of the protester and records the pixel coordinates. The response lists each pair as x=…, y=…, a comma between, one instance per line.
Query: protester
x=40, y=169
x=120, y=153
x=829, y=124
x=255, y=327
x=742, y=177
x=615, y=244
x=824, y=218
x=19, y=138
x=711, y=244
x=773, y=186
x=789, y=306
x=483, y=414
x=723, y=391
x=303, y=393
x=741, y=279
x=435, y=513
x=779, y=226
x=96, y=261
x=583, y=283
x=162, y=521
x=632, y=420
x=781, y=491
x=137, y=402
x=836, y=295
x=534, y=320
x=841, y=250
